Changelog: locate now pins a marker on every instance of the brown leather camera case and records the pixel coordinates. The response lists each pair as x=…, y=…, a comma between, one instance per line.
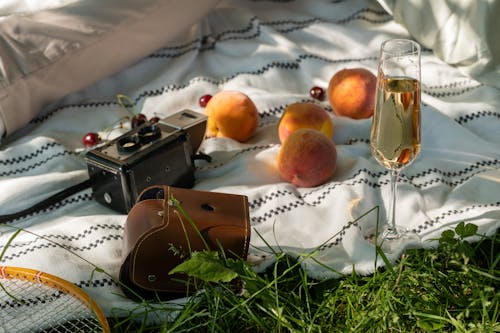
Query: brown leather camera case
x=158, y=237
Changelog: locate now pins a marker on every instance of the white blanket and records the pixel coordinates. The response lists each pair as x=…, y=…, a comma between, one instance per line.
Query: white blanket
x=274, y=52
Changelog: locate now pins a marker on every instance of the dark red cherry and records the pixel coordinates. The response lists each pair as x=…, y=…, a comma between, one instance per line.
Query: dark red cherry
x=91, y=139
x=154, y=119
x=203, y=101
x=317, y=93
x=137, y=120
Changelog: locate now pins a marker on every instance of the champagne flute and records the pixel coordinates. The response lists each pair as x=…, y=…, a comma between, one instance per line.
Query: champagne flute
x=395, y=130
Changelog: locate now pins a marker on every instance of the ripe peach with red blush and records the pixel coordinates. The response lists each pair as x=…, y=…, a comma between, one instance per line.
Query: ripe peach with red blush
x=307, y=158
x=351, y=93
x=231, y=114
x=304, y=115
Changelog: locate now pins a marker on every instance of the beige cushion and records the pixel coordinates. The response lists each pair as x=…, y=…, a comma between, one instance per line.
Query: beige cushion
x=50, y=53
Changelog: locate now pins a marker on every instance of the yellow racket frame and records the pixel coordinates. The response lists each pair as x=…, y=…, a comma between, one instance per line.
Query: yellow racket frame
x=27, y=274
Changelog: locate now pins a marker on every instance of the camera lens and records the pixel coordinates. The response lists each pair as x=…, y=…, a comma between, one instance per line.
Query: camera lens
x=128, y=144
x=149, y=133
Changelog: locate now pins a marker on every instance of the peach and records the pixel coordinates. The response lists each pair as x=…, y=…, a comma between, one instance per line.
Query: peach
x=351, y=93
x=307, y=158
x=304, y=115
x=231, y=114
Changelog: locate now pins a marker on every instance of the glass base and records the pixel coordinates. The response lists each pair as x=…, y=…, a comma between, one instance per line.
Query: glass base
x=396, y=239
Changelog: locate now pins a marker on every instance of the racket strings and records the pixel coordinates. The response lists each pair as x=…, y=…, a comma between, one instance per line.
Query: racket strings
x=36, y=307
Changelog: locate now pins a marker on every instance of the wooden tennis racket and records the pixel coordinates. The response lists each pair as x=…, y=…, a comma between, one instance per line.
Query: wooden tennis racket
x=34, y=301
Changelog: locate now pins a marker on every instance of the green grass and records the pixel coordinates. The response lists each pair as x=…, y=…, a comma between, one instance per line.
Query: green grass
x=451, y=288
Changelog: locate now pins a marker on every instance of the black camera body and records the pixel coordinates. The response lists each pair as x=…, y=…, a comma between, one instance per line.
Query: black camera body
x=151, y=154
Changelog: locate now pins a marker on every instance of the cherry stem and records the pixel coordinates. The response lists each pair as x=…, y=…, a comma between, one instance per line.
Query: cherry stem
x=111, y=127
x=121, y=98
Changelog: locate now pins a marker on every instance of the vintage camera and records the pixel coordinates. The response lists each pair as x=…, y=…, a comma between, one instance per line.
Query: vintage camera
x=151, y=154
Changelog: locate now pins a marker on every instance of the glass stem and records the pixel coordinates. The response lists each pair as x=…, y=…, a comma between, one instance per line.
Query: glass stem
x=392, y=203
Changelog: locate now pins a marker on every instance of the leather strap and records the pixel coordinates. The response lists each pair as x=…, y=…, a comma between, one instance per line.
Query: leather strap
x=158, y=237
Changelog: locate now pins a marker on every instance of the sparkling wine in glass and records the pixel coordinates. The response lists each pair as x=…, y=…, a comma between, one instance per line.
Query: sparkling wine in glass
x=395, y=130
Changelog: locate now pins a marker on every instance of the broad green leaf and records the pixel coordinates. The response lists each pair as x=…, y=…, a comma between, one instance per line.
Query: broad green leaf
x=206, y=266
x=448, y=234
x=466, y=230
x=447, y=238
